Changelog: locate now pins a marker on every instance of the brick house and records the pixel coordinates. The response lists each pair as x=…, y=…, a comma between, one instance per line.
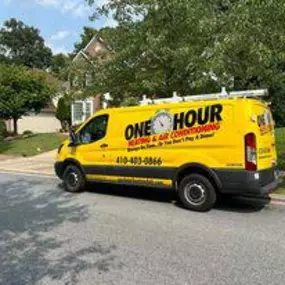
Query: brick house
x=83, y=109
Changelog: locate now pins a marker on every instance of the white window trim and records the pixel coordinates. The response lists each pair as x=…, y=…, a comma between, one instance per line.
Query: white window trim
x=84, y=117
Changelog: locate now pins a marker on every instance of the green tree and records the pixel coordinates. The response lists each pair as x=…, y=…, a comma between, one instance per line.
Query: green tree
x=22, y=44
x=60, y=66
x=22, y=91
x=159, y=47
x=63, y=112
x=193, y=46
x=250, y=50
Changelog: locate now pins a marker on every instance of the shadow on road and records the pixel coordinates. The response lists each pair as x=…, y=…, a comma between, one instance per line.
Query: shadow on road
x=134, y=192
x=230, y=204
x=242, y=204
x=30, y=249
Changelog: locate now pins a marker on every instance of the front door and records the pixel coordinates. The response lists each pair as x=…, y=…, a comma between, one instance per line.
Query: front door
x=93, y=143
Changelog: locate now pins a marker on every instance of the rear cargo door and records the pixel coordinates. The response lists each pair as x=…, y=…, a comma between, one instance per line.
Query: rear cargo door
x=266, y=148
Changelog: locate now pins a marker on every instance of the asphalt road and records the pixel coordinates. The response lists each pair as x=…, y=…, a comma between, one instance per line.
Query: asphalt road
x=119, y=235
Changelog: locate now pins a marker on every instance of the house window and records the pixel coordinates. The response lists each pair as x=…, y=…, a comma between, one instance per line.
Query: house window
x=88, y=111
x=78, y=111
x=81, y=111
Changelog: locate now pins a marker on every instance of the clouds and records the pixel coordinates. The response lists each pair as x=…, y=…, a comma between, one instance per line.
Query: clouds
x=57, y=42
x=56, y=49
x=7, y=2
x=60, y=35
x=76, y=8
x=47, y=2
x=60, y=21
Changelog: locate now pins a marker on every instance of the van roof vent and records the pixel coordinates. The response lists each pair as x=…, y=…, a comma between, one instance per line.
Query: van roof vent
x=223, y=95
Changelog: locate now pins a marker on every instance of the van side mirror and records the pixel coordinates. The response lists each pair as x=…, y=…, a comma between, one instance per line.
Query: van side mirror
x=72, y=138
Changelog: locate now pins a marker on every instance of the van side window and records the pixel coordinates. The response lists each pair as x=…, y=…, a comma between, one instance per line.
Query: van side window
x=95, y=130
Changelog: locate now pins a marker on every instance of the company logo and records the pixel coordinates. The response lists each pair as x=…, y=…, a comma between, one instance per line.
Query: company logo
x=163, y=122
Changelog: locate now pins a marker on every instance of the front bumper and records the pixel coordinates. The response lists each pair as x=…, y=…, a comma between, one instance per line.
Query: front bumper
x=248, y=183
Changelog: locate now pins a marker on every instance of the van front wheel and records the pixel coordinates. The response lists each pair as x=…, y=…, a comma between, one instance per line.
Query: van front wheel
x=73, y=179
x=197, y=193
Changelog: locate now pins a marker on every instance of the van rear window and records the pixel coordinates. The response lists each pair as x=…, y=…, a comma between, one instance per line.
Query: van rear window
x=265, y=119
x=265, y=122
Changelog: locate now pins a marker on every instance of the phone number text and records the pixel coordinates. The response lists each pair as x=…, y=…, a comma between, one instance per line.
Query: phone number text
x=139, y=160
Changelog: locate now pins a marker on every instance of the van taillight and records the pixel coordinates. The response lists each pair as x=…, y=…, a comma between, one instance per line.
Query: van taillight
x=250, y=152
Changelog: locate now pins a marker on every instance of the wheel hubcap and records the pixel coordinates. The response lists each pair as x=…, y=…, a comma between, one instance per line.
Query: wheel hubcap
x=195, y=193
x=72, y=179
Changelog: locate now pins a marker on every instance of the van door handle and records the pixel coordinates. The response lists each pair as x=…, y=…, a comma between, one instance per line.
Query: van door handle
x=104, y=145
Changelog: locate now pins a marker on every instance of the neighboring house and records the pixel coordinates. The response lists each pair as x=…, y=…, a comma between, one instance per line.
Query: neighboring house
x=43, y=122
x=82, y=109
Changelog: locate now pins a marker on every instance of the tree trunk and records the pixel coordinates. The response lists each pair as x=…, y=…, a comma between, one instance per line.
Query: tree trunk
x=15, y=126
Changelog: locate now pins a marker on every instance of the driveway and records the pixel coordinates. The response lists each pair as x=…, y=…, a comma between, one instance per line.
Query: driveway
x=128, y=236
x=40, y=164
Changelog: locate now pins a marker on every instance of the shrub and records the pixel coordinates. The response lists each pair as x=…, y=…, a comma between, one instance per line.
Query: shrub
x=63, y=113
x=280, y=143
x=3, y=129
x=27, y=132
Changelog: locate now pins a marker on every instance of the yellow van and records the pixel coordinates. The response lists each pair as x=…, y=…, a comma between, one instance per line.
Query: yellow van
x=199, y=148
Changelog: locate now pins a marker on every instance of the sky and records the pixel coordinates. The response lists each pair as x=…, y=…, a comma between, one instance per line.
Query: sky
x=60, y=21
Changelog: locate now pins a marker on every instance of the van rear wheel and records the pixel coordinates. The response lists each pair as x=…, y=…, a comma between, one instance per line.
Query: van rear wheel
x=197, y=193
x=73, y=179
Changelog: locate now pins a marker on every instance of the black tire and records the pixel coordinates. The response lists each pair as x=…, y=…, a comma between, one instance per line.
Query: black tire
x=73, y=179
x=197, y=193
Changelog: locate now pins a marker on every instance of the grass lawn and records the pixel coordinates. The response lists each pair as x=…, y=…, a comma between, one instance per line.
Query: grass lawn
x=280, y=142
x=36, y=144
